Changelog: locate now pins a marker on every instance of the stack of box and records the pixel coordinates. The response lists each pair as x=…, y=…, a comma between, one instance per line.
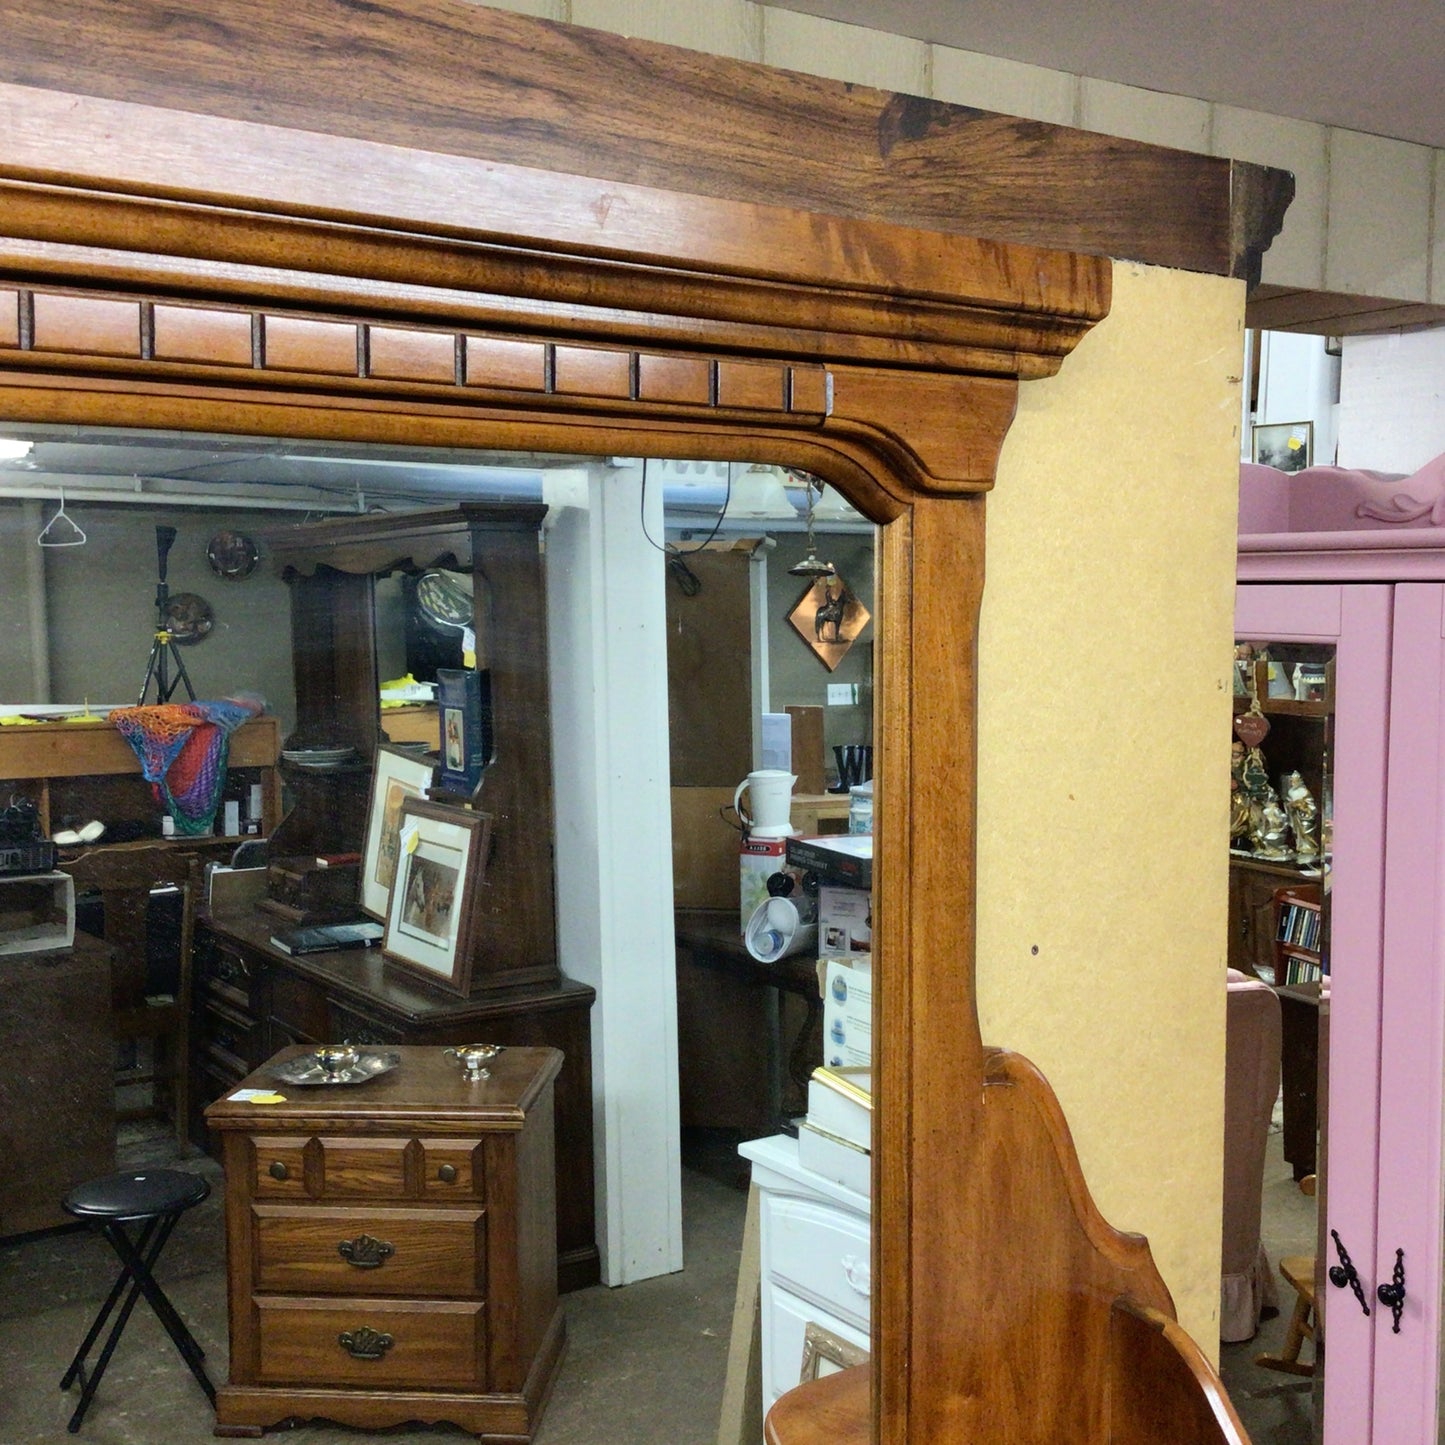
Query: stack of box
x=842, y=864
x=836, y=1138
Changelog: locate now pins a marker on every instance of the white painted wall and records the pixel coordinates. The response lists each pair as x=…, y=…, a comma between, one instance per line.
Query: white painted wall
x=1392, y=401
x=614, y=847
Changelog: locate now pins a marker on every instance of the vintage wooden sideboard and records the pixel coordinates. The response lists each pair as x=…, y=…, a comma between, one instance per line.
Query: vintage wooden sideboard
x=390, y=1248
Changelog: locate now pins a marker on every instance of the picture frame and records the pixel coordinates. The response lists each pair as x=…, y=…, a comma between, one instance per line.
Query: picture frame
x=825, y=1353
x=1288, y=446
x=397, y=774
x=441, y=860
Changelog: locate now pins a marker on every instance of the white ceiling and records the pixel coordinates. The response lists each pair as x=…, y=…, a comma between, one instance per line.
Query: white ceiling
x=1376, y=67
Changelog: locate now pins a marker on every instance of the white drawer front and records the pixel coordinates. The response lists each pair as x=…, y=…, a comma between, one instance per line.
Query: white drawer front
x=785, y=1317
x=820, y=1252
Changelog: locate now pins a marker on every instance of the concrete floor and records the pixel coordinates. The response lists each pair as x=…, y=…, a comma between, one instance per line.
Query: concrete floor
x=644, y=1363
x=1276, y=1409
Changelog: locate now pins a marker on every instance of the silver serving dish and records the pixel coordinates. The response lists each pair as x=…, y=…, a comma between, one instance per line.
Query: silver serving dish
x=337, y=1067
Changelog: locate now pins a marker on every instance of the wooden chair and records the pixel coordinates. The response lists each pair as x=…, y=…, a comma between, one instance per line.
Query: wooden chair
x=1299, y=1271
x=125, y=876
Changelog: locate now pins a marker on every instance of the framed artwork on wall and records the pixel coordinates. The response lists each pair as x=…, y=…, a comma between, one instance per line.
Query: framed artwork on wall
x=441, y=858
x=1288, y=445
x=398, y=775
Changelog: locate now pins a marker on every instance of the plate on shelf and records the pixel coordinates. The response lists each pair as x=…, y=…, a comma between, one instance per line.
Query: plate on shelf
x=306, y=1069
x=318, y=757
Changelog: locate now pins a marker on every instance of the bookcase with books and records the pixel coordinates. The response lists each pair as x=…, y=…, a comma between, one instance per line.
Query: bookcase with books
x=1301, y=952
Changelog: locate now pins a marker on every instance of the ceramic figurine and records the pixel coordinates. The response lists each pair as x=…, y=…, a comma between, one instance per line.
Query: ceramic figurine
x=1304, y=817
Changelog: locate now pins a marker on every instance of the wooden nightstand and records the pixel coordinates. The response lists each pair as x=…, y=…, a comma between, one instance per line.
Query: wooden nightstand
x=392, y=1247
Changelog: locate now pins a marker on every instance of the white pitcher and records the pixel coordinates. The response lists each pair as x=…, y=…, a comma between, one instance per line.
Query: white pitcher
x=770, y=803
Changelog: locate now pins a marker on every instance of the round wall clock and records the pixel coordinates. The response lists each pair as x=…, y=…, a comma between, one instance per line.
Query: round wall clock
x=232, y=555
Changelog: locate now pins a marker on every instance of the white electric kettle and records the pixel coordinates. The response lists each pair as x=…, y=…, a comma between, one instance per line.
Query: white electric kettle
x=770, y=803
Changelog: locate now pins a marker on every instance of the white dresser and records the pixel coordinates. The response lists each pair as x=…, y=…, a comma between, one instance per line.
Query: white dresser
x=813, y=1240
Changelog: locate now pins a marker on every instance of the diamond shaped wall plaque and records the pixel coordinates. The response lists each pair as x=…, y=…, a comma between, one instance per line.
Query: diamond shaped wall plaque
x=828, y=617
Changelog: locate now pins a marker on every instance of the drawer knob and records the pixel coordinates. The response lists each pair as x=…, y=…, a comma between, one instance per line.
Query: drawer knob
x=365, y=1343
x=447, y=1173
x=365, y=1251
x=278, y=1170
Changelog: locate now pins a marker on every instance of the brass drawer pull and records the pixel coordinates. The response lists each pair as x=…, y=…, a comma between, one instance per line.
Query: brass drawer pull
x=365, y=1343
x=447, y=1173
x=365, y=1251
x=278, y=1170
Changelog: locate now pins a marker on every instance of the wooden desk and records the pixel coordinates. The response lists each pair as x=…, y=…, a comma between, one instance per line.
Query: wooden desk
x=711, y=941
x=252, y=999
x=391, y=1248
x=57, y=1103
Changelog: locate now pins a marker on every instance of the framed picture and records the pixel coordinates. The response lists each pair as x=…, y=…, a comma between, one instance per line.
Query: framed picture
x=398, y=775
x=824, y=1353
x=1287, y=445
x=440, y=861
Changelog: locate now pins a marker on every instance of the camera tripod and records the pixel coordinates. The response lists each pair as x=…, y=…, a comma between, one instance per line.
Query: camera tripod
x=163, y=645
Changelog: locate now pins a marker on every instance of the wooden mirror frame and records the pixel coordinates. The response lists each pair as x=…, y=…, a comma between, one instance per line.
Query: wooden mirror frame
x=471, y=301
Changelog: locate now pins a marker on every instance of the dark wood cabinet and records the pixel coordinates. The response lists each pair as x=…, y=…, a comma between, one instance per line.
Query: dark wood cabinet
x=57, y=1104
x=251, y=1000
x=391, y=1249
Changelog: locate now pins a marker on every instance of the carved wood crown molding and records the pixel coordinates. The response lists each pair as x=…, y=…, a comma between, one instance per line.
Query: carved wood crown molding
x=873, y=340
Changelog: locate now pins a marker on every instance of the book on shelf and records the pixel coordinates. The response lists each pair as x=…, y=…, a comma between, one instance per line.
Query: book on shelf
x=840, y=1103
x=1299, y=925
x=323, y=937
x=1299, y=969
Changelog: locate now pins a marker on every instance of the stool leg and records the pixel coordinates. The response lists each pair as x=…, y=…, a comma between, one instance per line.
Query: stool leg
x=98, y=1324
x=175, y=1327
x=89, y=1387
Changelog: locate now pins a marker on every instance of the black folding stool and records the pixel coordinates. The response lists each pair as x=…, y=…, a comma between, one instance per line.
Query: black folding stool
x=154, y=1199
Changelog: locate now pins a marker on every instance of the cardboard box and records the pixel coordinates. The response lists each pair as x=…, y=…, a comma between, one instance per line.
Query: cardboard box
x=845, y=922
x=847, y=986
x=835, y=1159
x=758, y=860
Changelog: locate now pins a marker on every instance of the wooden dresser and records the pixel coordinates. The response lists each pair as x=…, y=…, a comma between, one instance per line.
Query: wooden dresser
x=392, y=1247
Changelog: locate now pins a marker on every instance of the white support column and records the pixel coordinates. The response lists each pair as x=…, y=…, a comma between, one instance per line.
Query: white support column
x=608, y=653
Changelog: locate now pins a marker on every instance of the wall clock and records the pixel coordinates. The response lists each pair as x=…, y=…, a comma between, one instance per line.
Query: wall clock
x=232, y=555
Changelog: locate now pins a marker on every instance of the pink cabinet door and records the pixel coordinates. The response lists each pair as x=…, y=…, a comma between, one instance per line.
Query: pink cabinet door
x=1412, y=1025
x=1383, y=1149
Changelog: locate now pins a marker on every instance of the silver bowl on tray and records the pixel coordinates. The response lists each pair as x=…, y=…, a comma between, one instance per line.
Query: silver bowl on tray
x=336, y=1064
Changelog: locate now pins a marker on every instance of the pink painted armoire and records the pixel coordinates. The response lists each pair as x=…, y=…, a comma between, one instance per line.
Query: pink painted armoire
x=1354, y=562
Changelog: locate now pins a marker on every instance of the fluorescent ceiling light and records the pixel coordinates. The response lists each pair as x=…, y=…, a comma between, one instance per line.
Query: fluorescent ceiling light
x=12, y=450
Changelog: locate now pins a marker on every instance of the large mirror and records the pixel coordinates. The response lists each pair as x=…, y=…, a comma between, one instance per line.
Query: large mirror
x=723, y=641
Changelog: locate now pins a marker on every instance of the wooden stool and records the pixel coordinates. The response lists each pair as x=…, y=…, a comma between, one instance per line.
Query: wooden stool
x=1299, y=1271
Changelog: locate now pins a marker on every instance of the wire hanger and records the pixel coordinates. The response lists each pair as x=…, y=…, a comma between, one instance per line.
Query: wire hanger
x=75, y=540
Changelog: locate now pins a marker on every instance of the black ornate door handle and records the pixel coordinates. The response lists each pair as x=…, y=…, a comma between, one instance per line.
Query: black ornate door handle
x=1392, y=1295
x=1344, y=1273
x=365, y=1343
x=365, y=1251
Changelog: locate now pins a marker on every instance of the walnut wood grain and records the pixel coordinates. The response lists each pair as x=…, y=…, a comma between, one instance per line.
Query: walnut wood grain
x=448, y=77
x=804, y=244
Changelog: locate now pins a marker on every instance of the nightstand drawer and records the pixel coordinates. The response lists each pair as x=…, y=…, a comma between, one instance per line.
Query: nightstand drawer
x=382, y=1344
x=819, y=1252
x=372, y=1167
x=302, y=1249
x=451, y=1170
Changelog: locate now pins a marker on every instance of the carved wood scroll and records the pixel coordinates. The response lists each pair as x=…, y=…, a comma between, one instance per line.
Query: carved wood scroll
x=462, y=261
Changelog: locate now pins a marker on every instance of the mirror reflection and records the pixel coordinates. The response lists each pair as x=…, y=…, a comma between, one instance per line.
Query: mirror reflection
x=680, y=639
